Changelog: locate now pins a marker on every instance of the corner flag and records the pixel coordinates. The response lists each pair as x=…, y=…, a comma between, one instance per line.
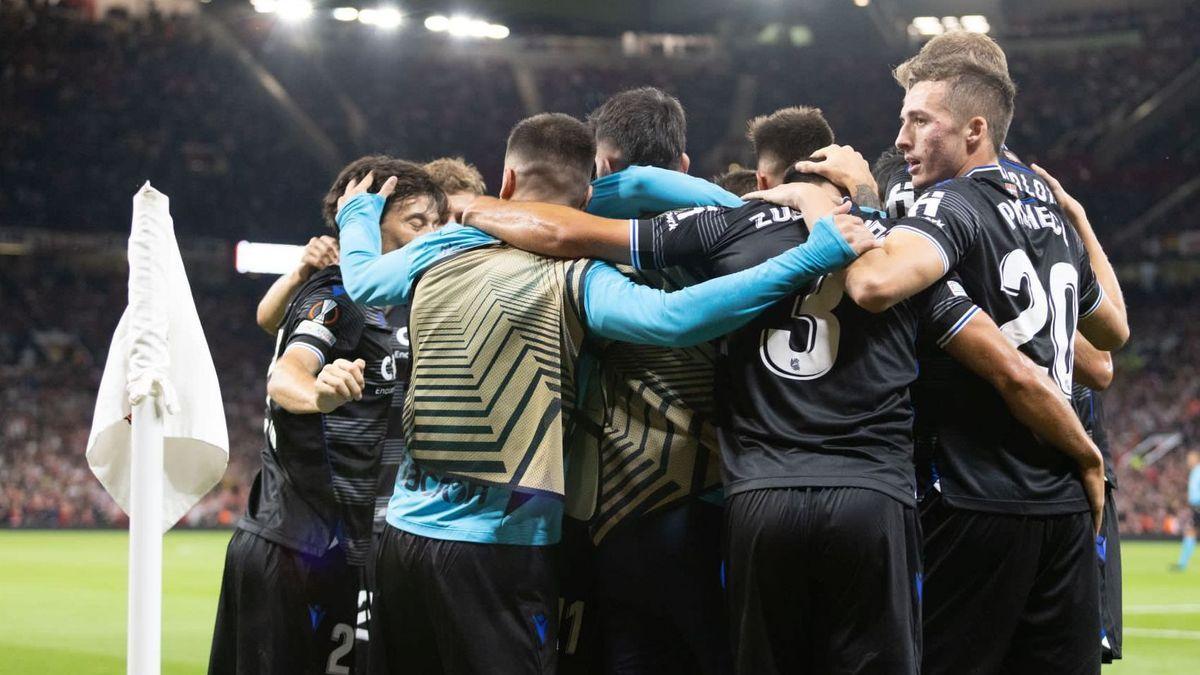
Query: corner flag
x=158, y=440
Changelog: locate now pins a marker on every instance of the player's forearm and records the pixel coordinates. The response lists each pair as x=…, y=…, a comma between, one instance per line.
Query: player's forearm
x=622, y=310
x=551, y=229
x=1032, y=397
x=1106, y=276
x=647, y=189
x=293, y=388
x=370, y=277
x=1093, y=367
x=274, y=303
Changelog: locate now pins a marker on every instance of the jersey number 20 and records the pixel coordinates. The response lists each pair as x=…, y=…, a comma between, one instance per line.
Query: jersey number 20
x=808, y=349
x=1059, y=308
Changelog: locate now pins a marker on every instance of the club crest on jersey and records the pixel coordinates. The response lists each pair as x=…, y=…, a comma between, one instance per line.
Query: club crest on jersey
x=325, y=312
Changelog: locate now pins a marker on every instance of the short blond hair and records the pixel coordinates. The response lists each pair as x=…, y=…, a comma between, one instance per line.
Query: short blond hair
x=957, y=44
x=974, y=89
x=455, y=175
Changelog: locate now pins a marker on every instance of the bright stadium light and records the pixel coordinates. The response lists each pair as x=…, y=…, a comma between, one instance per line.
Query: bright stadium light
x=928, y=25
x=861, y=3
x=437, y=23
x=345, y=14
x=976, y=23
x=294, y=11
x=386, y=18
x=261, y=258
x=265, y=6
x=497, y=31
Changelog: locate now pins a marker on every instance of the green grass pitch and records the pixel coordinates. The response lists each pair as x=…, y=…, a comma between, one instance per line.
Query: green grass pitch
x=62, y=604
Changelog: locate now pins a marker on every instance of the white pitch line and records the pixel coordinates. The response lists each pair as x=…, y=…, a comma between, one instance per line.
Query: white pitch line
x=1163, y=609
x=1163, y=633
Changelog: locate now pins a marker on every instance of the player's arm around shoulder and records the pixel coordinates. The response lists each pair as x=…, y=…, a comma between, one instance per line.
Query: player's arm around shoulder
x=551, y=229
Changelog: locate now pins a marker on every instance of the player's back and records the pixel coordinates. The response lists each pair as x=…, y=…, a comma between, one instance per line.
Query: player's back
x=1021, y=262
x=813, y=392
x=495, y=335
x=645, y=438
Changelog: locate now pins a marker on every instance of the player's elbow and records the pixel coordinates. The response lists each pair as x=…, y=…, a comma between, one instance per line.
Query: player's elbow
x=1097, y=374
x=871, y=293
x=265, y=319
x=1015, y=377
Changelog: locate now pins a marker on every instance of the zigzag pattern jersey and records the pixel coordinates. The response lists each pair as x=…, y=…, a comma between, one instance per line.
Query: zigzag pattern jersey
x=645, y=438
x=317, y=485
x=495, y=334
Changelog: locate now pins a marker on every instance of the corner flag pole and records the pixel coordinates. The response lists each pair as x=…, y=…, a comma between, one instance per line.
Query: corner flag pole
x=159, y=441
x=149, y=362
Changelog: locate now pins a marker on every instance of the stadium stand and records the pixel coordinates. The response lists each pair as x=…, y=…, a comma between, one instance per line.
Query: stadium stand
x=69, y=130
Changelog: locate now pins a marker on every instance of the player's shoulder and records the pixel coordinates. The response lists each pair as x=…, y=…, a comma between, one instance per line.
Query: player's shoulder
x=323, y=298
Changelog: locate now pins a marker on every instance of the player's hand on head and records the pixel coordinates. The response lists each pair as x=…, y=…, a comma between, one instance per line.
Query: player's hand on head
x=790, y=195
x=358, y=187
x=854, y=230
x=338, y=383
x=1068, y=203
x=319, y=253
x=841, y=164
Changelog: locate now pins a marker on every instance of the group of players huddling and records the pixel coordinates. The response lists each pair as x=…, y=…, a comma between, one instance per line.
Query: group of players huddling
x=644, y=424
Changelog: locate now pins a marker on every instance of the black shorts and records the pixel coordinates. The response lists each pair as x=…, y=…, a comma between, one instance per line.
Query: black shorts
x=282, y=611
x=656, y=603
x=1009, y=593
x=457, y=607
x=823, y=580
x=1108, y=547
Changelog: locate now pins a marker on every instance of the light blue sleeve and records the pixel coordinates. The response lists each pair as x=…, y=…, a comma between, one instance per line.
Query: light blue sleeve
x=1194, y=487
x=377, y=279
x=618, y=308
x=639, y=190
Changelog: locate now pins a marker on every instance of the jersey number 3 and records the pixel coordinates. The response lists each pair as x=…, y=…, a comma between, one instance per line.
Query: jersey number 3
x=808, y=349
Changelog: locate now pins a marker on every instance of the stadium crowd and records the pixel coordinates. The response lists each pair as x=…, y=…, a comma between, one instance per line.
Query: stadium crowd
x=57, y=353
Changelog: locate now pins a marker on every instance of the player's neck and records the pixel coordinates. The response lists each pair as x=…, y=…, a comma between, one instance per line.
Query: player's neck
x=977, y=159
x=546, y=197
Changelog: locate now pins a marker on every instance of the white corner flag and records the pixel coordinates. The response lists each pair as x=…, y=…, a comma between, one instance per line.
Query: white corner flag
x=158, y=440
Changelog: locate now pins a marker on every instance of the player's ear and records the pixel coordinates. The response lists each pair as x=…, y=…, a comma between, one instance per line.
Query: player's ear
x=508, y=183
x=977, y=131
x=684, y=163
x=761, y=181
x=603, y=166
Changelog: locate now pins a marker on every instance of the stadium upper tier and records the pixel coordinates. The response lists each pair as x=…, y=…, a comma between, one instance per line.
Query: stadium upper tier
x=244, y=122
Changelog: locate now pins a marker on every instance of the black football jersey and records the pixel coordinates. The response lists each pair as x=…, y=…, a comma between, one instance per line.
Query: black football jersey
x=319, y=476
x=1000, y=230
x=815, y=391
x=1089, y=407
x=393, y=448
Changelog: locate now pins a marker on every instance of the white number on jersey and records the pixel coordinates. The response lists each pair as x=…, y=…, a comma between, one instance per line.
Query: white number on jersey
x=813, y=312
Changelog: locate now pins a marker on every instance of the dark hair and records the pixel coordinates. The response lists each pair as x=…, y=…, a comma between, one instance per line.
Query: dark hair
x=554, y=151
x=411, y=181
x=889, y=169
x=646, y=125
x=789, y=135
x=738, y=181
x=794, y=175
